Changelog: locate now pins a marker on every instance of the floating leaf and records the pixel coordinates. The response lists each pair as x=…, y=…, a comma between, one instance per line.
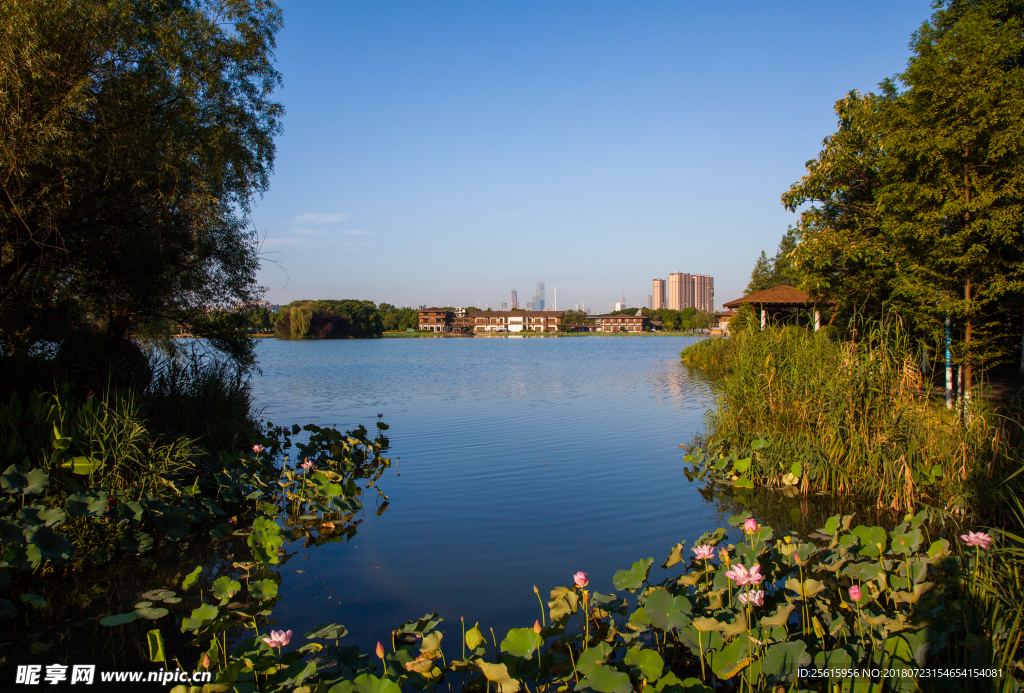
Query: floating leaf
x=157, y=595
x=151, y=614
x=325, y=631
x=267, y=589
x=118, y=620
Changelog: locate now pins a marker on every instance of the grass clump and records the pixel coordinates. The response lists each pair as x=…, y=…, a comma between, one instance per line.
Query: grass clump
x=849, y=416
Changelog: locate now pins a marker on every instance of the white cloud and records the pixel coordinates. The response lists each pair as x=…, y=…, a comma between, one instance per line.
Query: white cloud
x=319, y=218
x=354, y=232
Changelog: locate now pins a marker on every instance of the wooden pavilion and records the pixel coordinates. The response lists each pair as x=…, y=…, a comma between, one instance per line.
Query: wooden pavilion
x=782, y=297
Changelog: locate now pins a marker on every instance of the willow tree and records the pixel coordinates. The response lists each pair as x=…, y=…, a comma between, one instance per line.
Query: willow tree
x=134, y=135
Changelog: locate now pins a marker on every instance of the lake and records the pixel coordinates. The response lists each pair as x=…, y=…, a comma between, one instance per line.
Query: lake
x=522, y=461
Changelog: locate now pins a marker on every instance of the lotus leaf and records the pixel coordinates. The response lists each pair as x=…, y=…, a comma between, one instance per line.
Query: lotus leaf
x=638, y=620
x=782, y=660
x=842, y=657
x=156, y=646
x=86, y=504
x=674, y=556
x=667, y=612
x=648, y=662
x=424, y=625
x=806, y=589
x=604, y=679
x=151, y=614
x=432, y=642
x=142, y=605
x=521, y=642
x=16, y=479
x=191, y=578
x=43, y=544
x=780, y=617
x=563, y=602
x=495, y=673
x=267, y=589
x=35, y=601
x=598, y=654
x=474, y=637
x=83, y=465
x=872, y=540
x=325, y=631
x=135, y=542
x=157, y=595
x=224, y=588
x=912, y=597
x=200, y=618
x=118, y=620
x=366, y=683
x=732, y=659
x=633, y=578
x=36, y=515
x=265, y=539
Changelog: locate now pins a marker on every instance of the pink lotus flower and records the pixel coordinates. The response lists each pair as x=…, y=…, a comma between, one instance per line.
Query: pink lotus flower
x=278, y=638
x=750, y=525
x=703, y=553
x=380, y=650
x=580, y=579
x=536, y=627
x=307, y=465
x=258, y=448
x=977, y=539
x=755, y=597
x=855, y=593
x=742, y=576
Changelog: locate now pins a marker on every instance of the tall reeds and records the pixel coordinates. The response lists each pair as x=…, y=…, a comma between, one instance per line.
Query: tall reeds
x=856, y=415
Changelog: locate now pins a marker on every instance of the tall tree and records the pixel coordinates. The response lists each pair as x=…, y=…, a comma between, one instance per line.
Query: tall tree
x=133, y=136
x=954, y=173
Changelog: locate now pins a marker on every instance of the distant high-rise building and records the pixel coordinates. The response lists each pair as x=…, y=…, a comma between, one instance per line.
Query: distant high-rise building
x=650, y=301
x=538, y=300
x=703, y=292
x=515, y=300
x=659, y=294
x=620, y=305
x=554, y=299
x=674, y=292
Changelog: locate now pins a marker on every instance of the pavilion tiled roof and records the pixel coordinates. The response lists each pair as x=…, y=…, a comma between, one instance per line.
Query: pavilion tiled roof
x=782, y=295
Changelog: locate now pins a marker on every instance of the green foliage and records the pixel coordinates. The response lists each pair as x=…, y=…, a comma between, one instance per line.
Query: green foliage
x=130, y=162
x=778, y=270
x=401, y=319
x=851, y=415
x=328, y=319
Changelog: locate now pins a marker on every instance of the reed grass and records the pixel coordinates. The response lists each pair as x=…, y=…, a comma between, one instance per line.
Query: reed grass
x=857, y=415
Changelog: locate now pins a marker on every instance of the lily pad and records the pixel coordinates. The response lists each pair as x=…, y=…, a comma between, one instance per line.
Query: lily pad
x=603, y=679
x=118, y=620
x=151, y=614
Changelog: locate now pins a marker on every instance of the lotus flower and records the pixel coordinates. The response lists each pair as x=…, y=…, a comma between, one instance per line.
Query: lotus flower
x=703, y=553
x=307, y=465
x=977, y=539
x=855, y=593
x=278, y=638
x=755, y=597
x=723, y=553
x=536, y=627
x=742, y=576
x=750, y=525
x=258, y=448
x=580, y=579
x=380, y=650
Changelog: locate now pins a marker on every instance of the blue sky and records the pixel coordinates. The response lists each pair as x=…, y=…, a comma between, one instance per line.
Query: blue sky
x=446, y=152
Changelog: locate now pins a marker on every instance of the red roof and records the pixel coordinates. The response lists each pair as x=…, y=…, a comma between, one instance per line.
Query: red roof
x=782, y=295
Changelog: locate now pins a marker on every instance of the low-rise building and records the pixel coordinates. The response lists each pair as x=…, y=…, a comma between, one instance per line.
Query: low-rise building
x=436, y=320
x=515, y=320
x=621, y=322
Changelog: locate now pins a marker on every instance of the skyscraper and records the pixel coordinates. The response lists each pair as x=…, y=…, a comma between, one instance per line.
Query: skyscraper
x=515, y=300
x=659, y=294
x=650, y=301
x=674, y=294
x=703, y=292
x=538, y=299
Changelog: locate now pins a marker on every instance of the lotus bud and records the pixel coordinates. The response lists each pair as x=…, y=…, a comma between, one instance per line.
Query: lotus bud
x=580, y=579
x=380, y=650
x=855, y=593
x=206, y=661
x=723, y=553
x=535, y=590
x=750, y=525
x=536, y=627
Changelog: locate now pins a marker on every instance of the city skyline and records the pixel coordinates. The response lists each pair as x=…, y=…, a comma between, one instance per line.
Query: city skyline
x=421, y=138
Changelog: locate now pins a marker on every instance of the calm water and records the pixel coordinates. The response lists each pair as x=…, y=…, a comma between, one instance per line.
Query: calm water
x=522, y=461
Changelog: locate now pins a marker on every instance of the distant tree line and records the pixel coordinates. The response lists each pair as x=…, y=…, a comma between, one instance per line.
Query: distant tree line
x=328, y=319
